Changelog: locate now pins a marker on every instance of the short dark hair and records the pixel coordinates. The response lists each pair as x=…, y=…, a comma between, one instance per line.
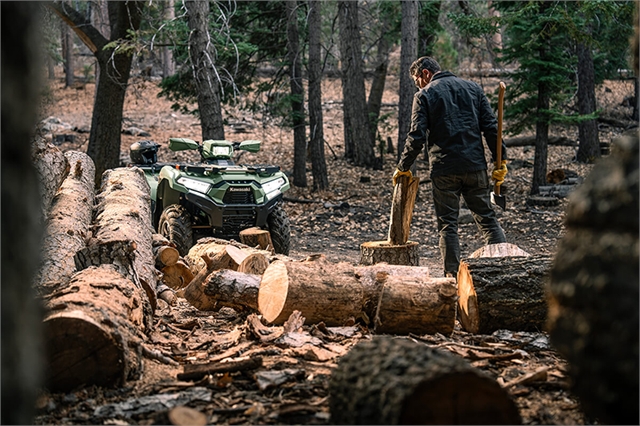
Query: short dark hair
x=424, y=63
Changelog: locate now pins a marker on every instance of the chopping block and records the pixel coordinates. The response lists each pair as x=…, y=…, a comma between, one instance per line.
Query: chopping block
x=397, y=249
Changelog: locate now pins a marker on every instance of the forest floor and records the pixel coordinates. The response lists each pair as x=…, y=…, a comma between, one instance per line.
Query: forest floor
x=291, y=387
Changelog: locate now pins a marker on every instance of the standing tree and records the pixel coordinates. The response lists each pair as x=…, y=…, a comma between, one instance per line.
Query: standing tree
x=114, y=60
x=168, y=64
x=316, y=137
x=358, y=138
x=408, y=54
x=202, y=56
x=297, y=96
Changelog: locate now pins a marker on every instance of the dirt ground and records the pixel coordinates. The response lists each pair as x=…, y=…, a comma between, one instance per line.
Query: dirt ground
x=333, y=223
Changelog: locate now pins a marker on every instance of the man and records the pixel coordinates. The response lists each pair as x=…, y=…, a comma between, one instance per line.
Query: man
x=451, y=115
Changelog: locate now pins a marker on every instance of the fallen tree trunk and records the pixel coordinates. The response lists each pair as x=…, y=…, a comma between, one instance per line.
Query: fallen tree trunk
x=398, y=381
x=123, y=219
x=68, y=224
x=503, y=293
x=337, y=293
x=93, y=331
x=52, y=167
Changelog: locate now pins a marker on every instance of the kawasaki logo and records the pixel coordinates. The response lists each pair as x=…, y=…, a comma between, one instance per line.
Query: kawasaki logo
x=239, y=189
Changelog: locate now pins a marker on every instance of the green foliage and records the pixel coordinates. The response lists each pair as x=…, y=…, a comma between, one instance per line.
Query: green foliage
x=474, y=26
x=444, y=51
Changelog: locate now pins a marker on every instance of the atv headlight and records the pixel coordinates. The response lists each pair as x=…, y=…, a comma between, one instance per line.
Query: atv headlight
x=271, y=188
x=194, y=185
x=221, y=150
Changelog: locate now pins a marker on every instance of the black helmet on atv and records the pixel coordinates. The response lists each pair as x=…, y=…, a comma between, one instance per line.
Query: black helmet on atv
x=144, y=152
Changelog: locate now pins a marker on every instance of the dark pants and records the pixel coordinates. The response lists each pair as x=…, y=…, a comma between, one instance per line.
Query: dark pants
x=475, y=189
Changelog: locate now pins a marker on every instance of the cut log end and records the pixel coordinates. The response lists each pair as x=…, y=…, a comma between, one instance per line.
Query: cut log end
x=373, y=252
x=273, y=291
x=80, y=351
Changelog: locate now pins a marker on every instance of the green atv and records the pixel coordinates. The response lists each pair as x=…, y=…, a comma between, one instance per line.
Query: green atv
x=214, y=197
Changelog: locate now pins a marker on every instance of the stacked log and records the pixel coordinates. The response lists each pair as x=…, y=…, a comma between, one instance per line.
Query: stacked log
x=52, y=167
x=68, y=223
x=593, y=287
x=399, y=381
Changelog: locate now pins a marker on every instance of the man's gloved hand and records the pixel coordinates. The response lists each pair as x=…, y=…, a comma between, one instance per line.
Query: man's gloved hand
x=499, y=174
x=399, y=173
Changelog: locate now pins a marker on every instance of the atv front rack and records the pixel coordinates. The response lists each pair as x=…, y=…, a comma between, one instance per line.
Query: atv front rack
x=210, y=169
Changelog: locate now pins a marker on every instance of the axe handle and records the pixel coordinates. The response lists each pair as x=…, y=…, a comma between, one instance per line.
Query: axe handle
x=501, y=90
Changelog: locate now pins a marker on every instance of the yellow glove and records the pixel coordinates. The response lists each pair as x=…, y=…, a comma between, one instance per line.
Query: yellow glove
x=499, y=174
x=399, y=173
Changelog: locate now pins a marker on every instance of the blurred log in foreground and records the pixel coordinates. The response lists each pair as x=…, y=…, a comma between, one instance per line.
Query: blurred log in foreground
x=398, y=381
x=593, y=288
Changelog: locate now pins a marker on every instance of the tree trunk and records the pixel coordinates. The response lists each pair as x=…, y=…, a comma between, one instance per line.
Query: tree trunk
x=202, y=59
x=593, y=288
x=67, y=54
x=503, y=293
x=404, y=197
x=123, y=233
x=297, y=96
x=52, y=167
x=372, y=252
x=379, y=79
x=408, y=54
x=589, y=147
x=93, y=331
x=357, y=131
x=316, y=132
x=168, y=64
x=398, y=381
x=68, y=225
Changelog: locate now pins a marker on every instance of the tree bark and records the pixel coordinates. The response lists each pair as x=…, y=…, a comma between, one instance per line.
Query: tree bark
x=202, y=59
x=67, y=54
x=404, y=197
x=297, y=96
x=408, y=54
x=376, y=91
x=503, y=293
x=232, y=289
x=593, y=287
x=168, y=64
x=93, y=330
x=68, y=225
x=123, y=233
x=372, y=252
x=52, y=167
x=398, y=381
x=589, y=147
x=316, y=132
x=357, y=131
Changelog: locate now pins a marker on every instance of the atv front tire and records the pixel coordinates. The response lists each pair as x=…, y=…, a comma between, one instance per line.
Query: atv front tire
x=279, y=227
x=175, y=225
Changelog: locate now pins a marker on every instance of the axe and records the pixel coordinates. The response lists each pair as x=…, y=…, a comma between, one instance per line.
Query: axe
x=496, y=198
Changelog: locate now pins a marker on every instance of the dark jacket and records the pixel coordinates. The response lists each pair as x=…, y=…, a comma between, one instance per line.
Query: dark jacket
x=451, y=114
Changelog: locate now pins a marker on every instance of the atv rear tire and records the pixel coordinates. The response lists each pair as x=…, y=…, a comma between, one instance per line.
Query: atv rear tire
x=279, y=227
x=175, y=225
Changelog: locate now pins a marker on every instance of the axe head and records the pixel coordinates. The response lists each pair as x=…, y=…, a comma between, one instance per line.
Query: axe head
x=499, y=200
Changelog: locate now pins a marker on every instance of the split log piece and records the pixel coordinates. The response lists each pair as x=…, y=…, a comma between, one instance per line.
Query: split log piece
x=503, y=293
x=404, y=197
x=373, y=252
x=177, y=276
x=499, y=250
x=230, y=288
x=236, y=253
x=398, y=381
x=52, y=167
x=123, y=213
x=255, y=263
x=256, y=238
x=68, y=224
x=93, y=330
x=194, y=372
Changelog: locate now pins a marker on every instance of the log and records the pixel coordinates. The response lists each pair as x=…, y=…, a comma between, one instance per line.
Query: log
x=236, y=252
x=195, y=372
x=177, y=276
x=559, y=191
x=93, y=331
x=419, y=306
x=165, y=252
x=52, y=167
x=404, y=197
x=68, y=223
x=498, y=250
x=338, y=293
x=593, y=288
x=232, y=289
x=399, y=381
x=255, y=263
x=372, y=252
x=123, y=217
x=256, y=238
x=503, y=293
